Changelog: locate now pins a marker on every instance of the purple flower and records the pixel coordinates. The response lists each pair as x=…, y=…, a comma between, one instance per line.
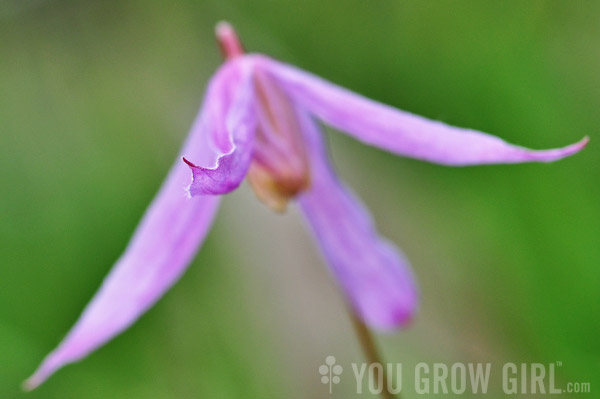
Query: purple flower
x=257, y=123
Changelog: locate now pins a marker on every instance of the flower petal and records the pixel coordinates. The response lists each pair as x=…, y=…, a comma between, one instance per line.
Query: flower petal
x=163, y=245
x=402, y=132
x=231, y=109
x=374, y=274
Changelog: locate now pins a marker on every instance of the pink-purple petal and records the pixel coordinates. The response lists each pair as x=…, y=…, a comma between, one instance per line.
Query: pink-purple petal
x=165, y=242
x=230, y=107
x=401, y=132
x=374, y=274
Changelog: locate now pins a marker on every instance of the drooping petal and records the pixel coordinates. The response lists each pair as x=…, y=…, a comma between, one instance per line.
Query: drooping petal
x=374, y=274
x=402, y=132
x=231, y=107
x=170, y=233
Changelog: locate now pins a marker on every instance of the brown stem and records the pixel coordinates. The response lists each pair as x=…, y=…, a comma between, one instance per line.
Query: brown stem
x=371, y=353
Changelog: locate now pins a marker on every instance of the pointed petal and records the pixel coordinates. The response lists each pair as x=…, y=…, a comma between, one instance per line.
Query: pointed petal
x=375, y=276
x=163, y=245
x=230, y=108
x=401, y=132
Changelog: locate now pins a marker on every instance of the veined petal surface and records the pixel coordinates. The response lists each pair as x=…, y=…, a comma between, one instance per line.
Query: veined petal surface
x=374, y=274
x=163, y=245
x=230, y=107
x=399, y=131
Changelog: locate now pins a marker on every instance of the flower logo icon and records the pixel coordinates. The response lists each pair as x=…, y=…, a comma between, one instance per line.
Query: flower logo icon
x=330, y=372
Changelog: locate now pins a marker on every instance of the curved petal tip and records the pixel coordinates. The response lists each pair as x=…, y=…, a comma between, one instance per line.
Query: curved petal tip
x=45, y=370
x=559, y=153
x=580, y=145
x=394, y=319
x=213, y=181
x=31, y=383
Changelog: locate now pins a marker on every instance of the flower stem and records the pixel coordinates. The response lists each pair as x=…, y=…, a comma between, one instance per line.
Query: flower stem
x=371, y=353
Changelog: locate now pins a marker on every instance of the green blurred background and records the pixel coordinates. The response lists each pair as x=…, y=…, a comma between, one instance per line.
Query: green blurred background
x=96, y=97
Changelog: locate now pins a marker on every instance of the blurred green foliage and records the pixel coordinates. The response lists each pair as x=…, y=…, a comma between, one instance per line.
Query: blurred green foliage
x=96, y=96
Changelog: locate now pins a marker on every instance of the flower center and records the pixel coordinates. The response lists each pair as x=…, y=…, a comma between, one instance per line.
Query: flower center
x=279, y=169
